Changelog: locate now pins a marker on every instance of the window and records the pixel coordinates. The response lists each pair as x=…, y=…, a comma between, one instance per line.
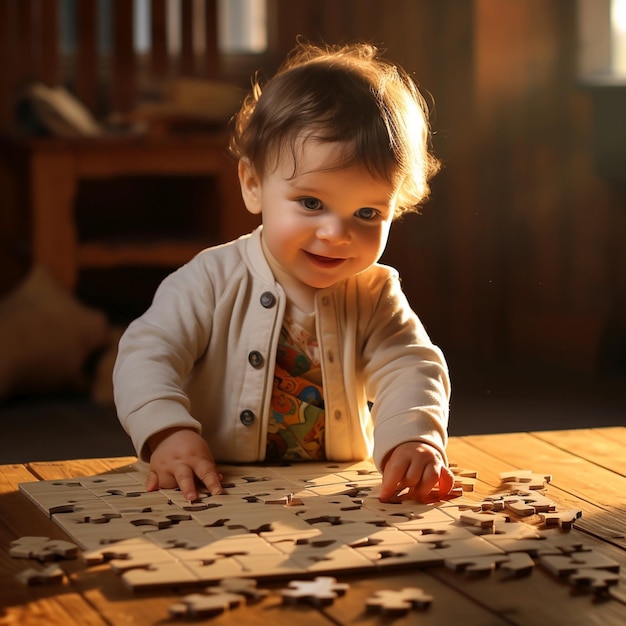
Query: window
x=242, y=25
x=602, y=34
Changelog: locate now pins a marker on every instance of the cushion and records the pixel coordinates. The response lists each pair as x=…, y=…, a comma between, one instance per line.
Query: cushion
x=46, y=337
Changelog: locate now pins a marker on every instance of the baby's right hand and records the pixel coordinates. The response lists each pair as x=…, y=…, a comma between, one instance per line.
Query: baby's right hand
x=178, y=456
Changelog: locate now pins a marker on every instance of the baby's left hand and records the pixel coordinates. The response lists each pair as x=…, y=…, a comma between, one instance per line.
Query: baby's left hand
x=418, y=467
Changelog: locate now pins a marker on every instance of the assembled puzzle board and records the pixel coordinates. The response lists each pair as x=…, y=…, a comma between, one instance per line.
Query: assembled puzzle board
x=284, y=522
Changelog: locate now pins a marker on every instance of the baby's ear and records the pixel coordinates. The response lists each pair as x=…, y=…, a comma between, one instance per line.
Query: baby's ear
x=250, y=186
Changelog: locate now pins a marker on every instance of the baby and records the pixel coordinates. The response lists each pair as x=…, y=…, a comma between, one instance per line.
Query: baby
x=293, y=343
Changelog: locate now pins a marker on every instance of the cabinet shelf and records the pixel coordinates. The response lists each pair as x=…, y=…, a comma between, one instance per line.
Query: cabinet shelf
x=160, y=253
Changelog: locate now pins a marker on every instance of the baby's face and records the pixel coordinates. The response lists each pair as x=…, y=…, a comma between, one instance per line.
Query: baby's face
x=323, y=225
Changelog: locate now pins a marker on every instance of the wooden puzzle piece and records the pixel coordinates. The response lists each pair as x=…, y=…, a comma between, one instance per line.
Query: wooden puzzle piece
x=440, y=532
x=476, y=565
x=321, y=591
x=416, y=517
x=563, y=519
x=206, y=605
x=595, y=580
x=186, y=535
x=91, y=536
x=565, y=565
x=395, y=603
x=336, y=558
x=246, y=587
x=464, y=478
x=512, y=530
x=416, y=554
x=466, y=484
x=277, y=565
x=517, y=564
x=524, y=479
x=42, y=548
x=486, y=521
x=170, y=575
x=116, y=551
x=52, y=574
x=526, y=503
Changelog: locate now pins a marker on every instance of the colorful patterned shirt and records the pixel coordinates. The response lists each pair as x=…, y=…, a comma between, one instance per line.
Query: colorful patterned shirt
x=296, y=424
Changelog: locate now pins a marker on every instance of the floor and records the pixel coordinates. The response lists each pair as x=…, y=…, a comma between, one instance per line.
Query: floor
x=486, y=398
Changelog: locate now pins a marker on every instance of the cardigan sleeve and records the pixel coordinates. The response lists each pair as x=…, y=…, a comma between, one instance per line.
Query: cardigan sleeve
x=156, y=354
x=407, y=375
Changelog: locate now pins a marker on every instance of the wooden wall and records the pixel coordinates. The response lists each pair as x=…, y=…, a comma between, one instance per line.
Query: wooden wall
x=520, y=253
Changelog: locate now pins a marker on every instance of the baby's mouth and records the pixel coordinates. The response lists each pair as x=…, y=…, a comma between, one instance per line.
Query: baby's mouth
x=324, y=261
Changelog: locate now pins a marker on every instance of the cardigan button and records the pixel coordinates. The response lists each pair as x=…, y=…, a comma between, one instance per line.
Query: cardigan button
x=247, y=417
x=268, y=299
x=255, y=358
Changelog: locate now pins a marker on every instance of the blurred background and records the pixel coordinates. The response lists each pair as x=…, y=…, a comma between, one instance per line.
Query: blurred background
x=114, y=117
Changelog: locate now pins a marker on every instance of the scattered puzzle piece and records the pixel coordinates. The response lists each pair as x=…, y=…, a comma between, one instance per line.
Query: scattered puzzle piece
x=517, y=565
x=595, y=580
x=566, y=565
x=476, y=565
x=486, y=520
x=525, y=479
x=52, y=574
x=389, y=602
x=526, y=503
x=206, y=605
x=244, y=586
x=42, y=549
x=563, y=519
x=321, y=591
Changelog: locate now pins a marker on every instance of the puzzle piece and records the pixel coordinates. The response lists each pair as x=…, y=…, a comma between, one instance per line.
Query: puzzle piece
x=460, y=471
x=159, y=575
x=566, y=565
x=206, y=605
x=321, y=591
x=42, y=549
x=513, y=565
x=246, y=587
x=486, y=520
x=52, y=574
x=464, y=478
x=395, y=603
x=564, y=519
x=518, y=564
x=595, y=580
x=526, y=503
x=524, y=479
x=476, y=565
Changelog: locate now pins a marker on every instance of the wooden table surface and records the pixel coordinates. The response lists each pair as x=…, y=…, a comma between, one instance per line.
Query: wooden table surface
x=589, y=472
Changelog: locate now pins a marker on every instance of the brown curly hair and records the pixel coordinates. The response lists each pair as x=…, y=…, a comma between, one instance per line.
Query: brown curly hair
x=346, y=94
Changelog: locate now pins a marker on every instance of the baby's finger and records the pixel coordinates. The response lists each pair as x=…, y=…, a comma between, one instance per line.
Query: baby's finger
x=446, y=481
x=209, y=477
x=392, y=475
x=429, y=478
x=187, y=483
x=152, y=481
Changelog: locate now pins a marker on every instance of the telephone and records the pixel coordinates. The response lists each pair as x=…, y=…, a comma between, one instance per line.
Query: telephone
x=54, y=111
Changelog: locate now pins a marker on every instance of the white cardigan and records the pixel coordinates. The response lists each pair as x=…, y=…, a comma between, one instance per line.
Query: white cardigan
x=202, y=356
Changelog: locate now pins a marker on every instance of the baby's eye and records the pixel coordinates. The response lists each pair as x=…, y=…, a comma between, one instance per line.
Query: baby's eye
x=367, y=213
x=311, y=204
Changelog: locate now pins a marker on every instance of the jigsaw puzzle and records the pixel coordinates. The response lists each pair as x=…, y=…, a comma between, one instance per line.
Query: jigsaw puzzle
x=309, y=519
x=394, y=603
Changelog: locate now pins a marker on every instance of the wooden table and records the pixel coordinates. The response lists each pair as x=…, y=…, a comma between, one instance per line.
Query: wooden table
x=589, y=472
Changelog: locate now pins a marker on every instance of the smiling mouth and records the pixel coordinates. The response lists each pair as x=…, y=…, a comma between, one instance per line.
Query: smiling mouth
x=324, y=261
